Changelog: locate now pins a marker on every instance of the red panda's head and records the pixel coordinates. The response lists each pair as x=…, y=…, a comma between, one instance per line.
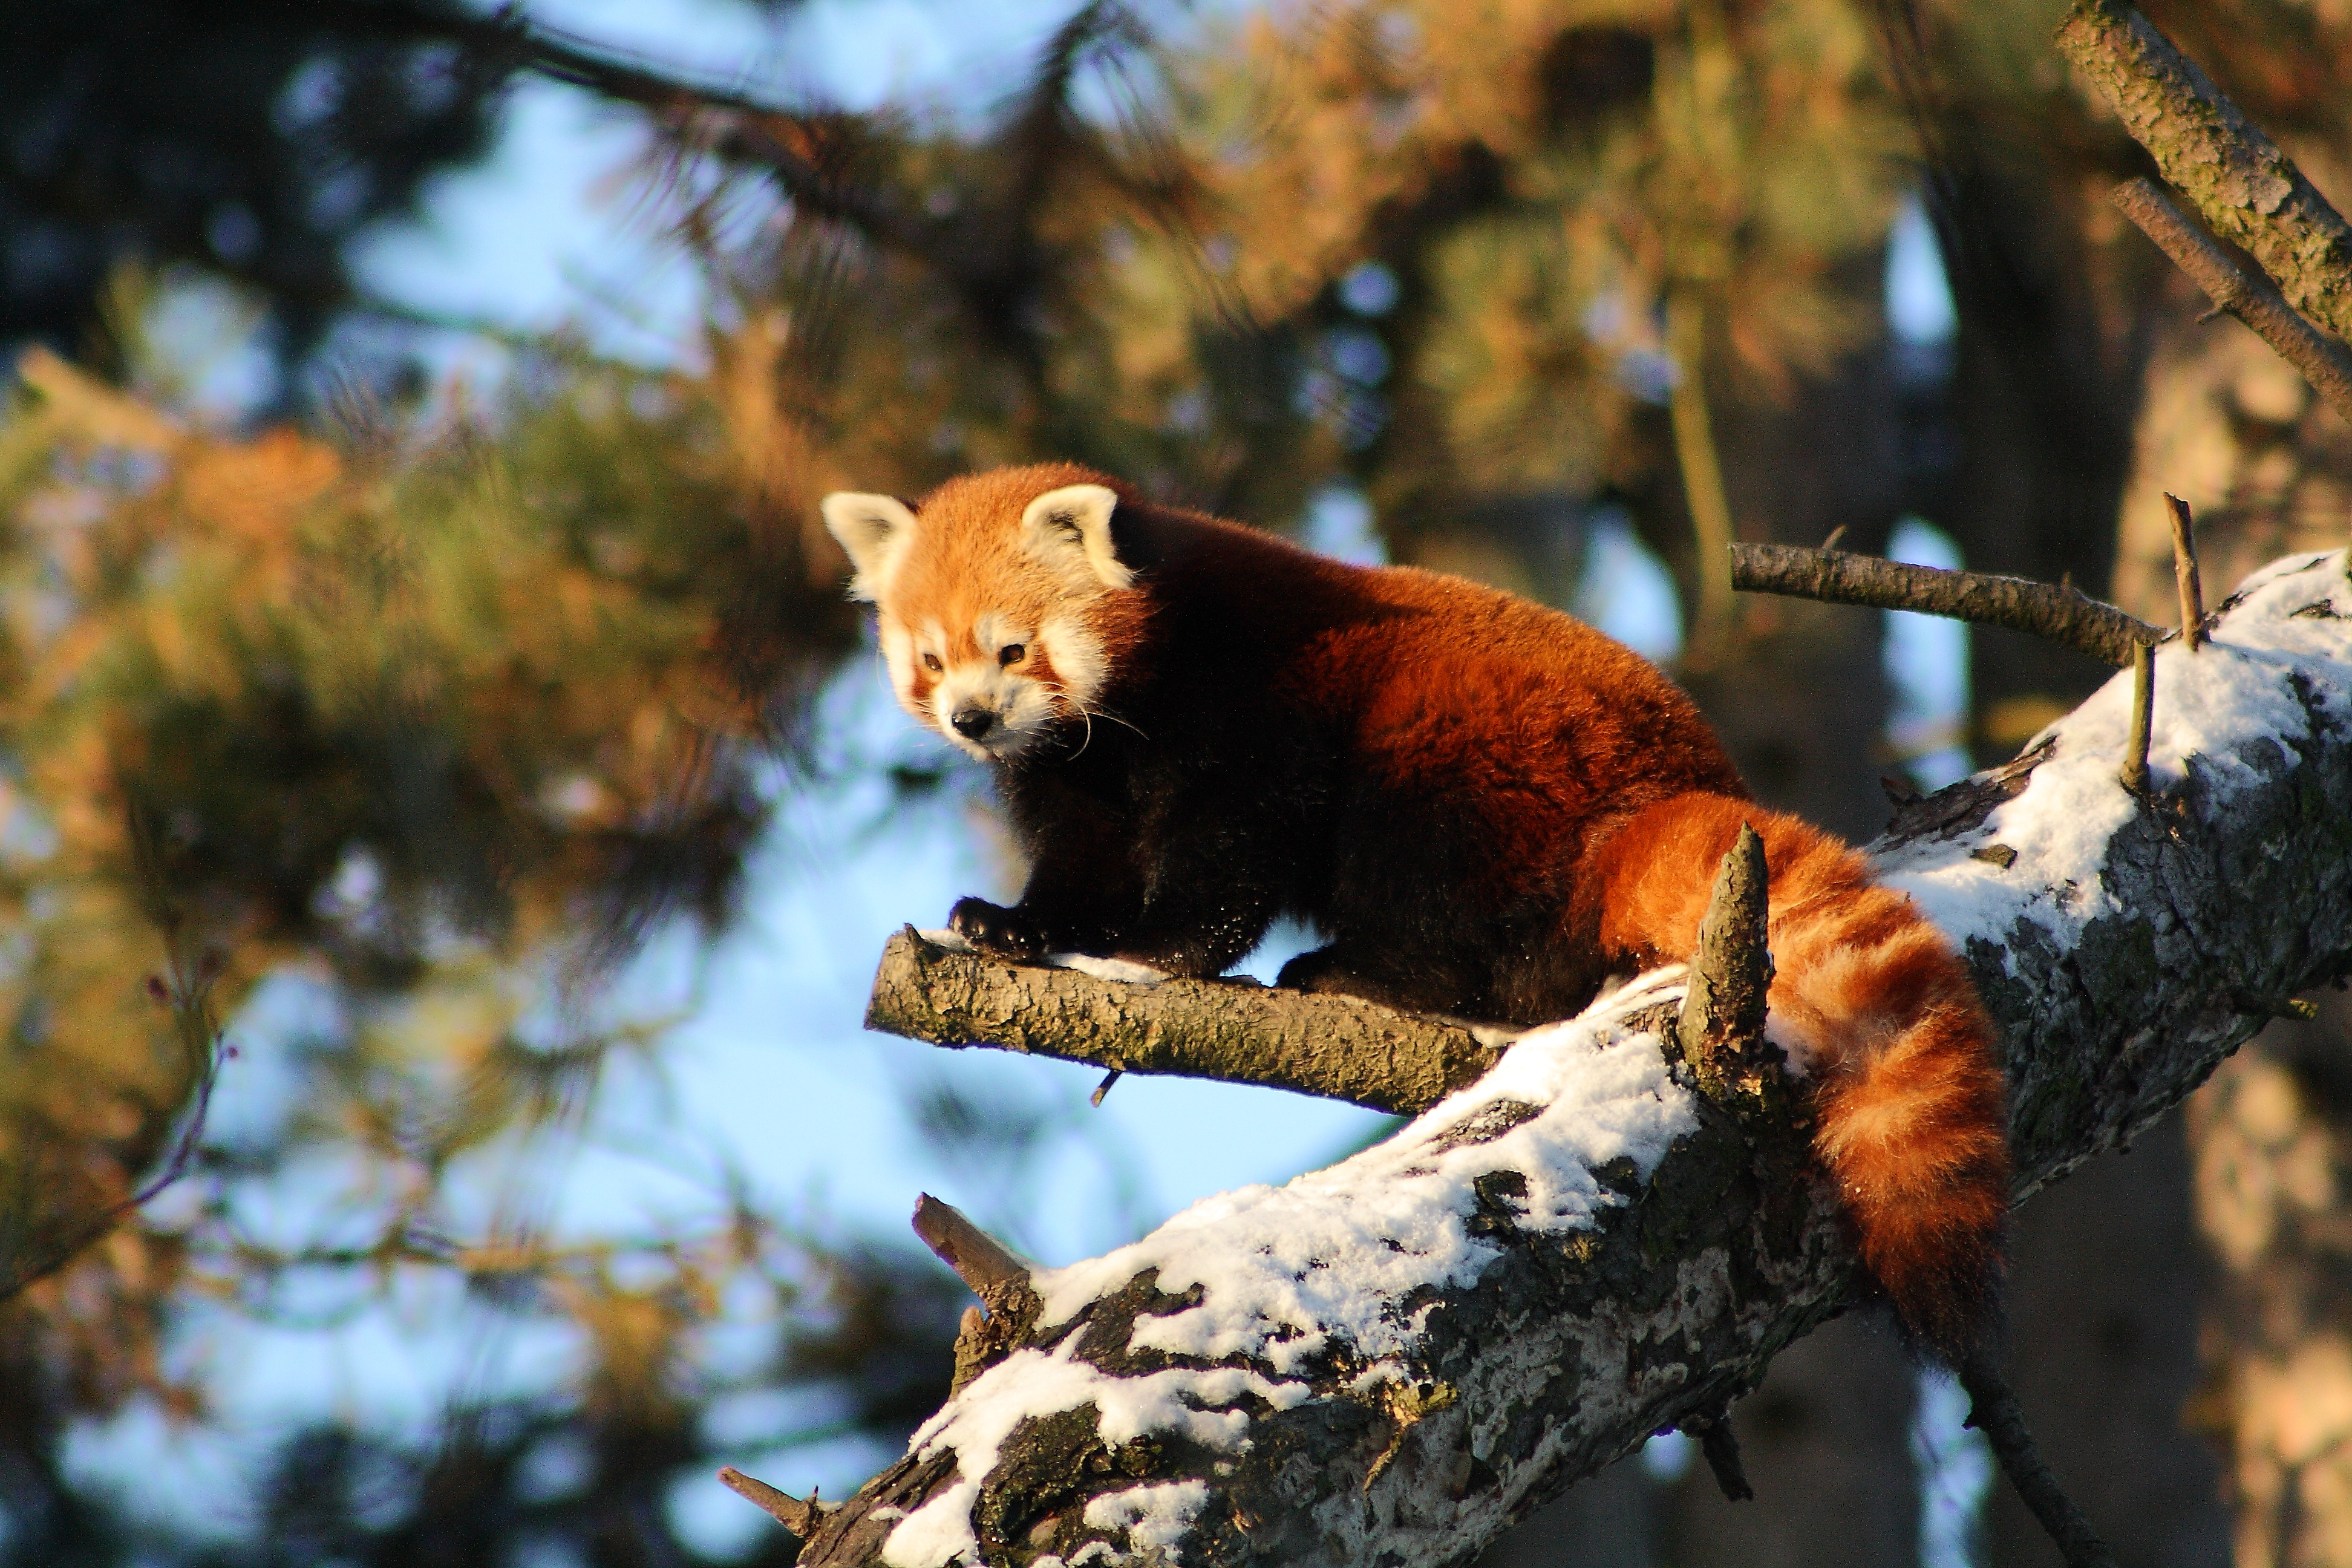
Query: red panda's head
x=1001, y=600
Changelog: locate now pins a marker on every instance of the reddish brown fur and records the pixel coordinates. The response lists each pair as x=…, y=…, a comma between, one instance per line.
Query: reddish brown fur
x=1908, y=1098
x=1488, y=806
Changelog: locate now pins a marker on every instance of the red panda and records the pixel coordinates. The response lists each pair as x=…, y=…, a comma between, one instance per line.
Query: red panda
x=1485, y=805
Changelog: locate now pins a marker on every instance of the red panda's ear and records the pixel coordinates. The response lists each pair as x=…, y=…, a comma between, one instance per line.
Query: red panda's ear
x=1071, y=526
x=875, y=530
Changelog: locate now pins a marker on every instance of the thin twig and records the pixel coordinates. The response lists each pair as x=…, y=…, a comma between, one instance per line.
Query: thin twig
x=2251, y=299
x=2134, y=770
x=2184, y=571
x=2063, y=615
x=1995, y=1412
x=188, y=995
x=2245, y=189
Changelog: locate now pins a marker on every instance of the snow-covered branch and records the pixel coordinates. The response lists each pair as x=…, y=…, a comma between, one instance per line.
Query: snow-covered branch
x=1395, y=1359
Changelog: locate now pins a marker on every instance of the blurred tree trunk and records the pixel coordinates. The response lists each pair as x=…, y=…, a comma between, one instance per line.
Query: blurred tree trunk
x=2272, y=1135
x=2231, y=429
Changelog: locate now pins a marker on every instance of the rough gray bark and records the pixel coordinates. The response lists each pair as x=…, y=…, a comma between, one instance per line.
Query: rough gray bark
x=2236, y=177
x=2062, y=614
x=1568, y=1348
x=1338, y=1048
x=2250, y=298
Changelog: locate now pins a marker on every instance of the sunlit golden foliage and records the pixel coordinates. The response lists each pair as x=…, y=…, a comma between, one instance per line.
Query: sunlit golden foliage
x=445, y=720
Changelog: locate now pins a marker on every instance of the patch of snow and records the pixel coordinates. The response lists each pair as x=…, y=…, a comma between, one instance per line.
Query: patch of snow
x=1152, y=1517
x=2216, y=703
x=1284, y=1272
x=1121, y=969
x=1195, y=1403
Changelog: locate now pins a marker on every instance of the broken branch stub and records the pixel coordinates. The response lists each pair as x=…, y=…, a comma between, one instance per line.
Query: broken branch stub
x=1720, y=1030
x=800, y=1518
x=2184, y=571
x=2143, y=715
x=978, y=1259
x=991, y=1272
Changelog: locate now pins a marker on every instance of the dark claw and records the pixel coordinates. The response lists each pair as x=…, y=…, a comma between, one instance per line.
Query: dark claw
x=1006, y=932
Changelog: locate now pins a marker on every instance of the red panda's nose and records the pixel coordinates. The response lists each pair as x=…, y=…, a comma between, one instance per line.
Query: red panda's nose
x=972, y=723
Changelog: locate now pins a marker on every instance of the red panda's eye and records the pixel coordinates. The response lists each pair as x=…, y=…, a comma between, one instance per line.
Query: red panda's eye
x=931, y=663
x=1010, y=653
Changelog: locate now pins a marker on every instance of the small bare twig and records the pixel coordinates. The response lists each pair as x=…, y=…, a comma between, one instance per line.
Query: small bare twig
x=2251, y=299
x=2184, y=571
x=2134, y=770
x=1109, y=1079
x=2063, y=614
x=1995, y=1412
x=2245, y=189
x=801, y=1518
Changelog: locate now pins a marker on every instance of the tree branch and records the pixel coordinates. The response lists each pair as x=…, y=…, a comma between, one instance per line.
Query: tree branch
x=2063, y=615
x=2247, y=190
x=2324, y=362
x=1334, y=1047
x=1396, y=1358
x=1993, y=1410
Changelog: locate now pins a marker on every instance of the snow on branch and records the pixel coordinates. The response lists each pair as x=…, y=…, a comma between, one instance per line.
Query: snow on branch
x=1395, y=1359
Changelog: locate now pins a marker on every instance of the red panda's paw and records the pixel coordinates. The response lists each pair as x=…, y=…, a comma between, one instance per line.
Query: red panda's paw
x=1009, y=933
x=1328, y=972
x=1320, y=970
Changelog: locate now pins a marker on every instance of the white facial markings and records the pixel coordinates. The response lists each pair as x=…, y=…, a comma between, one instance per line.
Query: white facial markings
x=1077, y=656
x=1021, y=702
x=1062, y=560
x=994, y=632
x=898, y=658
